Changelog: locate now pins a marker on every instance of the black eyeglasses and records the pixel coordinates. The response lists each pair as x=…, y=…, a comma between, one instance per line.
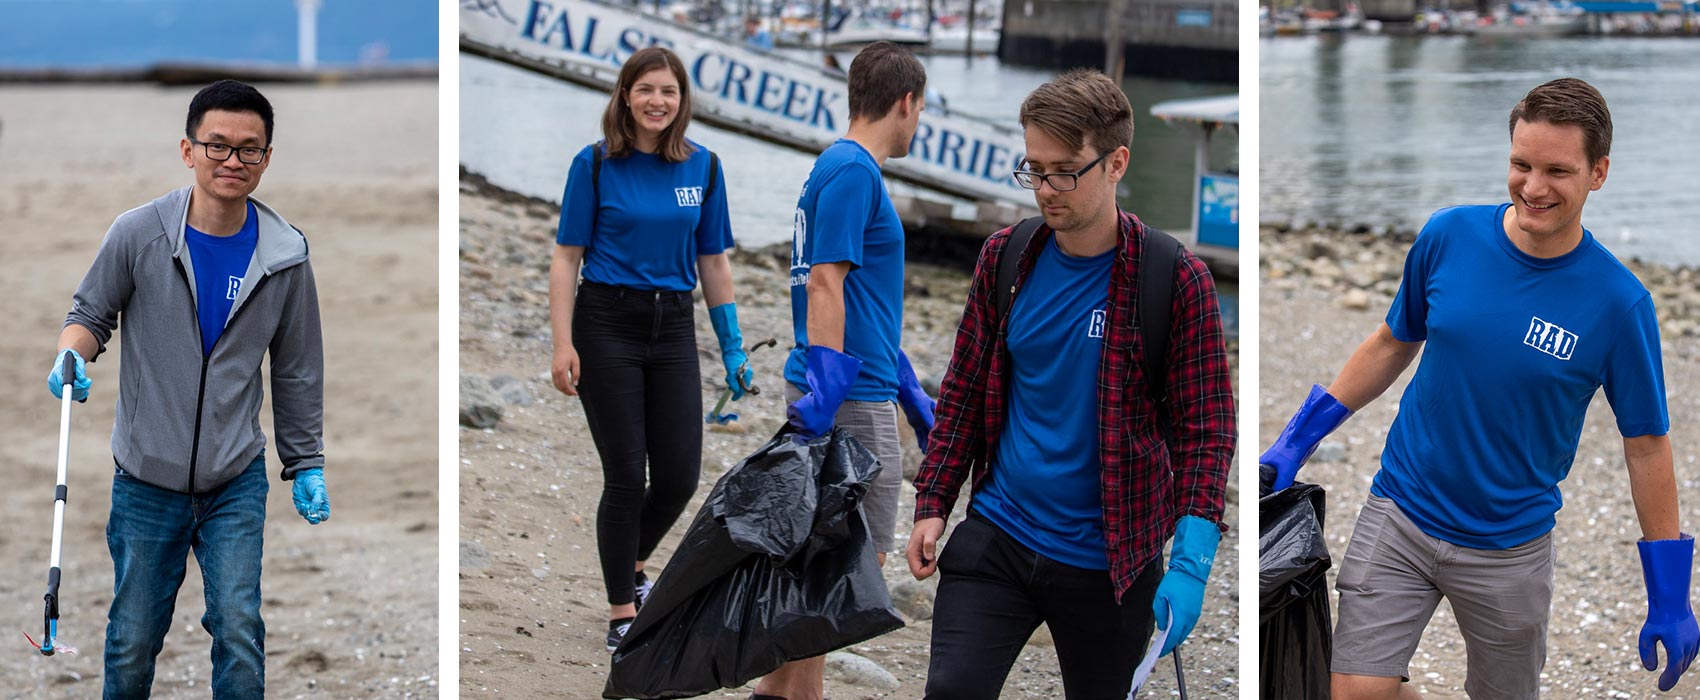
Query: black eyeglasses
x=221, y=152
x=1061, y=182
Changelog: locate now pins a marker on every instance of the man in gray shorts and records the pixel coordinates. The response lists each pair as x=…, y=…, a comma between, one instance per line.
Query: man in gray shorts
x=847, y=303
x=1464, y=503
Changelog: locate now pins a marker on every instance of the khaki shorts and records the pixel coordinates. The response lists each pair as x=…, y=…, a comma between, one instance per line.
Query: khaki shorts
x=1394, y=575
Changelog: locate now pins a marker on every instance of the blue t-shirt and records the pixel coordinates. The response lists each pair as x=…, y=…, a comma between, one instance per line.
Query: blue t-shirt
x=1515, y=348
x=652, y=222
x=1044, y=488
x=845, y=215
x=220, y=263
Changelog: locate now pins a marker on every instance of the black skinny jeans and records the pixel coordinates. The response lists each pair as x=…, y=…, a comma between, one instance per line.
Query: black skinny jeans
x=994, y=591
x=642, y=392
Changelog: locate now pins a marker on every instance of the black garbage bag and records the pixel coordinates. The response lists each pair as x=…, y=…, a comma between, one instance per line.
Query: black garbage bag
x=777, y=566
x=1294, y=627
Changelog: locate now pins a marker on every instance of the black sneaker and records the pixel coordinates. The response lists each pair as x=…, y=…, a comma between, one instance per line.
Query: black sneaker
x=617, y=631
x=641, y=587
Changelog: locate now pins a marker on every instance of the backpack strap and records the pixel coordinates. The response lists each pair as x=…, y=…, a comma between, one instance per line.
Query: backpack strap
x=713, y=177
x=1019, y=237
x=1157, y=261
x=595, y=184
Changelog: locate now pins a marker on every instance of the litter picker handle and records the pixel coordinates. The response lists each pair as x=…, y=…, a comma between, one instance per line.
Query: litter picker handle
x=68, y=368
x=1180, y=676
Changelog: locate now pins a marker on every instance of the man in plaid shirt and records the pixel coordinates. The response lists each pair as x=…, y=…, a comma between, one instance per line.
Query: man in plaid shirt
x=1049, y=415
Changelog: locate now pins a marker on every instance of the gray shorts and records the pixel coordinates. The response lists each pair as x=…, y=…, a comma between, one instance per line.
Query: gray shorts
x=1394, y=575
x=874, y=424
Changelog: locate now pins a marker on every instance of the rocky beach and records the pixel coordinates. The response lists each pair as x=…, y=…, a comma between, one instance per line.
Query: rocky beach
x=350, y=605
x=533, y=612
x=1323, y=291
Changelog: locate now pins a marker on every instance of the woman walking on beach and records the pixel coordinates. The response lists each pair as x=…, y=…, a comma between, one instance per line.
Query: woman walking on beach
x=644, y=214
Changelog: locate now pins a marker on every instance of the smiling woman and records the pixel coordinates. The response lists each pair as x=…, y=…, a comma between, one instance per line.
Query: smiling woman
x=644, y=213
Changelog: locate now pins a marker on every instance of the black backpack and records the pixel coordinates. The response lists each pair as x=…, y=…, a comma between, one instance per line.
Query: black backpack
x=1156, y=295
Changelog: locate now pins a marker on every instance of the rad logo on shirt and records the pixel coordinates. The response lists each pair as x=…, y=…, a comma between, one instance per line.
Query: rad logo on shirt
x=1550, y=339
x=688, y=196
x=234, y=287
x=1095, y=327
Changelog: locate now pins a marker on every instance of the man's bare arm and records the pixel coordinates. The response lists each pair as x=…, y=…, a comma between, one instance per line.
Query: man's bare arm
x=1652, y=483
x=826, y=304
x=1372, y=368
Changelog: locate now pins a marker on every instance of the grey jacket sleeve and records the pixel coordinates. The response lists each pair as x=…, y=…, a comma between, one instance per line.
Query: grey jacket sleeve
x=298, y=377
x=105, y=288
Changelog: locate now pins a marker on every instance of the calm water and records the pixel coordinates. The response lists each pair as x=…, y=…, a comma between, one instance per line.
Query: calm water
x=122, y=33
x=521, y=130
x=1384, y=130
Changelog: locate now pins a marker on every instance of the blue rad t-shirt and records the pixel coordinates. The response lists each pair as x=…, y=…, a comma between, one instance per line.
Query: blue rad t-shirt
x=845, y=215
x=220, y=263
x=651, y=223
x=1044, y=486
x=1515, y=348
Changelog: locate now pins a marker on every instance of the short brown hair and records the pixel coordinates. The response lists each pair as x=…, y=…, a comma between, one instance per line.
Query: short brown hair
x=617, y=122
x=880, y=76
x=1082, y=107
x=1569, y=101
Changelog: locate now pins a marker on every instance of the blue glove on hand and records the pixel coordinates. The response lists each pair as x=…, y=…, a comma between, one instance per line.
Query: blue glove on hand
x=725, y=320
x=309, y=494
x=917, y=405
x=79, y=384
x=830, y=375
x=1182, y=588
x=1319, y=416
x=1666, y=566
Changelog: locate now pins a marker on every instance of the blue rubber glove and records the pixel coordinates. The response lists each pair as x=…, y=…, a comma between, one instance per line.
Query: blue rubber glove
x=725, y=320
x=917, y=405
x=830, y=375
x=1319, y=416
x=1666, y=566
x=1182, y=588
x=79, y=384
x=309, y=494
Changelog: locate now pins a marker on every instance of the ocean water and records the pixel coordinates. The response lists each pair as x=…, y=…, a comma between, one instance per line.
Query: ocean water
x=129, y=33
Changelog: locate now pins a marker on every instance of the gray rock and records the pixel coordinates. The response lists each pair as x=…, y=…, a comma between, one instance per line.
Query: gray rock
x=480, y=405
x=1330, y=452
x=1356, y=299
x=845, y=667
x=511, y=389
x=914, y=599
x=474, y=556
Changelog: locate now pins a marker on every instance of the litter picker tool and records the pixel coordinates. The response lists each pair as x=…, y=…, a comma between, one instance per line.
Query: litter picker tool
x=50, y=616
x=715, y=417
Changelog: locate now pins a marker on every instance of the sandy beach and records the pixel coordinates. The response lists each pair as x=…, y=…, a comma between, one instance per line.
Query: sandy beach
x=533, y=612
x=350, y=605
x=1323, y=292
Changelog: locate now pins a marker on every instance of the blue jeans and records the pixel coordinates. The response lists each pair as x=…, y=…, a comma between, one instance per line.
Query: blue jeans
x=150, y=533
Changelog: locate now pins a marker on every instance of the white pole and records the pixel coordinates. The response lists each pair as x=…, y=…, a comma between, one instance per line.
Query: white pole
x=308, y=33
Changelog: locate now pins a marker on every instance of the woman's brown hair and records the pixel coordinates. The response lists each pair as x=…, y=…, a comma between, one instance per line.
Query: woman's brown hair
x=618, y=126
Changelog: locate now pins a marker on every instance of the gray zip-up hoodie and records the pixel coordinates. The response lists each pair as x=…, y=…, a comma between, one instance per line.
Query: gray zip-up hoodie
x=191, y=422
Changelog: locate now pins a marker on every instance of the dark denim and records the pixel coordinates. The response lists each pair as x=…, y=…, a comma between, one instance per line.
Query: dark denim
x=642, y=395
x=150, y=533
x=994, y=591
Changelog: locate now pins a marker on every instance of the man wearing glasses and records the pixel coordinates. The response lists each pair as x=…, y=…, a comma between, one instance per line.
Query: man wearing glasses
x=207, y=282
x=1077, y=486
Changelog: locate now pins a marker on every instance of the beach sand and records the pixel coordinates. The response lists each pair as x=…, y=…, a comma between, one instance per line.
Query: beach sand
x=533, y=610
x=350, y=605
x=1323, y=293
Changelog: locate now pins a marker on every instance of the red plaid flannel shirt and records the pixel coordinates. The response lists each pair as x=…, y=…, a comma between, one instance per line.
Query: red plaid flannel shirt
x=1147, y=485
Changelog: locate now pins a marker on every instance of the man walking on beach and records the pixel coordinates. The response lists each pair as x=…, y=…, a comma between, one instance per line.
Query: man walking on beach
x=1081, y=464
x=847, y=304
x=1521, y=315
x=207, y=282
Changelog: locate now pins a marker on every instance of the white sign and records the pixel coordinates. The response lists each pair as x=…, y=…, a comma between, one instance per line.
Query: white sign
x=733, y=85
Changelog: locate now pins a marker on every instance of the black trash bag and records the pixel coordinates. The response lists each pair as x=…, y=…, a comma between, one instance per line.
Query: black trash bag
x=1295, y=630
x=776, y=566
